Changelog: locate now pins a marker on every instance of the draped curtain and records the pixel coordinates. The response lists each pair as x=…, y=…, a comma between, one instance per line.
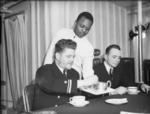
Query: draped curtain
x=16, y=54
x=28, y=36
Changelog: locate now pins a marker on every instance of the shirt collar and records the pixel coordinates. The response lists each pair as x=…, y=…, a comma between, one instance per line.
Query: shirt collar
x=61, y=69
x=108, y=67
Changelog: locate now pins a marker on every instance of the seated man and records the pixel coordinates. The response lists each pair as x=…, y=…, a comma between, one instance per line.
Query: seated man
x=110, y=70
x=56, y=82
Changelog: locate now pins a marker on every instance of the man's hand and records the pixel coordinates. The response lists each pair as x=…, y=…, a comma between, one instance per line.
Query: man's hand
x=120, y=90
x=145, y=88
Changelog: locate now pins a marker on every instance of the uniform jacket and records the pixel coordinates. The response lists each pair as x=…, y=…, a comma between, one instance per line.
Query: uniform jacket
x=53, y=88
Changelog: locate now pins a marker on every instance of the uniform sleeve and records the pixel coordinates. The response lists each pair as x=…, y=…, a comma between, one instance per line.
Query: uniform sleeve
x=44, y=79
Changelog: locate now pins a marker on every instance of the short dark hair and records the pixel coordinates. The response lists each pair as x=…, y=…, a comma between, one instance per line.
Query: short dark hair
x=86, y=15
x=65, y=43
x=111, y=47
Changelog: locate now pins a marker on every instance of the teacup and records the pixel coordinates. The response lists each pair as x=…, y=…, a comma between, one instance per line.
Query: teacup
x=104, y=85
x=132, y=89
x=77, y=99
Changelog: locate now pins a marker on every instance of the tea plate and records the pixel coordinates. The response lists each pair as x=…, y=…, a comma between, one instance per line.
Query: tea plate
x=117, y=101
x=77, y=104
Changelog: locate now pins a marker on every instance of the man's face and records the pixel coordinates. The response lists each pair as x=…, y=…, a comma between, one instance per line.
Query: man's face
x=82, y=27
x=66, y=58
x=113, y=57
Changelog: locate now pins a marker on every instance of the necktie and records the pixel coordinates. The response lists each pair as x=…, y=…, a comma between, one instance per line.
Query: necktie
x=65, y=73
x=111, y=72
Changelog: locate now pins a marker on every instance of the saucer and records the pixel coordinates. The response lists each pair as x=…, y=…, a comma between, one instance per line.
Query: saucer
x=117, y=101
x=77, y=104
x=133, y=93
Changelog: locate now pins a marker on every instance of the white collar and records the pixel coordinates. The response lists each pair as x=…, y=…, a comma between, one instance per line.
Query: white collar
x=107, y=66
x=61, y=69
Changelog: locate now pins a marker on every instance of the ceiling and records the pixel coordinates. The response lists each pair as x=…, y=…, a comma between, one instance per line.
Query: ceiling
x=128, y=4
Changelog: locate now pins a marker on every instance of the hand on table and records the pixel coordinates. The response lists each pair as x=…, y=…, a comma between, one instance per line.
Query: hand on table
x=120, y=90
x=145, y=88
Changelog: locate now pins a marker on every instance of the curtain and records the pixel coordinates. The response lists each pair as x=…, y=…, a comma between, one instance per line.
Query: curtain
x=16, y=54
x=28, y=36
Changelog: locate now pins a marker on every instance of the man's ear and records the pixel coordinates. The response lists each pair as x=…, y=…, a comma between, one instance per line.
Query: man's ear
x=74, y=25
x=105, y=56
x=57, y=55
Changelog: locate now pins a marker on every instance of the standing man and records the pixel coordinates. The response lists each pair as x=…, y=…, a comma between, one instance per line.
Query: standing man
x=83, y=62
x=110, y=70
x=57, y=82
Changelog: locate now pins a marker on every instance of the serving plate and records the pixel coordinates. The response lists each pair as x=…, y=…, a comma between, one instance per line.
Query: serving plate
x=117, y=101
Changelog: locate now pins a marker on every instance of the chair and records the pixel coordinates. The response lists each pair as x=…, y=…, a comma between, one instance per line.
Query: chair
x=96, y=52
x=28, y=95
x=146, y=64
x=96, y=59
x=128, y=71
x=3, y=107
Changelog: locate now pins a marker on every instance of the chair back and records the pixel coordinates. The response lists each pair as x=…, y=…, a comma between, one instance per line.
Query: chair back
x=128, y=70
x=96, y=52
x=28, y=96
x=97, y=58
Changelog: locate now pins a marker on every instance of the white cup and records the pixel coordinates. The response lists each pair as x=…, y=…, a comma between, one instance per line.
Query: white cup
x=77, y=99
x=132, y=89
x=104, y=85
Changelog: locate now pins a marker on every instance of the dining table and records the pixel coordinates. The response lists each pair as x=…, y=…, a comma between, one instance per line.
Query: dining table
x=136, y=104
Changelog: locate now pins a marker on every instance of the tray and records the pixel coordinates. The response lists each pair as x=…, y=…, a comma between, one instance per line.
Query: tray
x=97, y=91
